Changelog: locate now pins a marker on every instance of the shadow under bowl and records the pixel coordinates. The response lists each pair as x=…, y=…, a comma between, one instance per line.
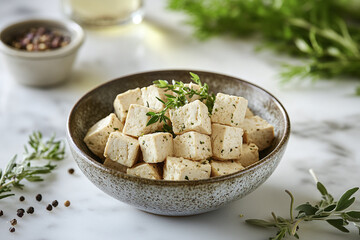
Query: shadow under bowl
x=176, y=198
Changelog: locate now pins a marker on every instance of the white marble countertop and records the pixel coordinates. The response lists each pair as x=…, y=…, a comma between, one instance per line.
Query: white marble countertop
x=325, y=134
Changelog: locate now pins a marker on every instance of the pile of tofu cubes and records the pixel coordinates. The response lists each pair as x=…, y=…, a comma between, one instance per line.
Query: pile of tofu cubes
x=206, y=145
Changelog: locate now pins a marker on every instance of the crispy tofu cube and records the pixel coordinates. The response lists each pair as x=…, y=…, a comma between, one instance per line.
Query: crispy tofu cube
x=249, y=113
x=249, y=155
x=191, y=117
x=184, y=169
x=122, y=149
x=156, y=147
x=258, y=131
x=114, y=165
x=150, y=95
x=229, y=110
x=226, y=142
x=98, y=134
x=219, y=168
x=123, y=100
x=137, y=119
x=145, y=170
x=192, y=145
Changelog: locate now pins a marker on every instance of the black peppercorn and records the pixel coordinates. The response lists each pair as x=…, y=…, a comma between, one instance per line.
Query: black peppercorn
x=30, y=210
x=38, y=197
x=55, y=203
x=71, y=170
x=49, y=207
x=1, y=213
x=20, y=212
x=13, y=222
x=12, y=229
x=22, y=198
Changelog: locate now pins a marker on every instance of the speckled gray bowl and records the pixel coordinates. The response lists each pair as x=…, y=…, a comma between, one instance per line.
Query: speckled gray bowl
x=176, y=198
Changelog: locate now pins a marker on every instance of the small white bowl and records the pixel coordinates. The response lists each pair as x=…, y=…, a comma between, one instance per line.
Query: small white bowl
x=45, y=68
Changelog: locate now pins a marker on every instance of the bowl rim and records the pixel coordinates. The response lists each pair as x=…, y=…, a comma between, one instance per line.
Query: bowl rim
x=282, y=143
x=76, y=32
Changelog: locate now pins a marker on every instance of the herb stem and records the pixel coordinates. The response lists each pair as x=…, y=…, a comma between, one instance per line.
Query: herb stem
x=291, y=204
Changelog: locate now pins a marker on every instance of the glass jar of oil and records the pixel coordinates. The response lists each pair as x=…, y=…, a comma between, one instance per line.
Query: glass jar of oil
x=104, y=12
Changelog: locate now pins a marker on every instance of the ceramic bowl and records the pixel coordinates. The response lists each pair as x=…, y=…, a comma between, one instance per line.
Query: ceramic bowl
x=176, y=198
x=44, y=68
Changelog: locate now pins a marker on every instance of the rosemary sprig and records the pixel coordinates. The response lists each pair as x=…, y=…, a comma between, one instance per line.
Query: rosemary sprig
x=325, y=32
x=15, y=172
x=180, y=98
x=327, y=209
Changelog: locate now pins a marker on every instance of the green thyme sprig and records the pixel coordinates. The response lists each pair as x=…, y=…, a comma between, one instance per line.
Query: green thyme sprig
x=37, y=149
x=325, y=32
x=327, y=209
x=180, y=96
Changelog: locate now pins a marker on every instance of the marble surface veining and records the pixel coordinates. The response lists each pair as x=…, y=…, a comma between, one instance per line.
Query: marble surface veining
x=325, y=134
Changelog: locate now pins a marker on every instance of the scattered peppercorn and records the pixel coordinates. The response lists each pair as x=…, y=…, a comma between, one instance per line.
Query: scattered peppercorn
x=22, y=198
x=1, y=213
x=55, y=203
x=20, y=212
x=13, y=222
x=71, y=170
x=49, y=207
x=12, y=229
x=38, y=197
x=39, y=39
x=30, y=210
x=67, y=203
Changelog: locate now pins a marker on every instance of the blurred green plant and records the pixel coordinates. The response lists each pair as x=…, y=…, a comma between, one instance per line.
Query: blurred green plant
x=326, y=32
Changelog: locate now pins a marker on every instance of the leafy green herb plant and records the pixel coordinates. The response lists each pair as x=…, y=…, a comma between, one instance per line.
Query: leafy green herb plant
x=37, y=149
x=327, y=209
x=180, y=96
x=325, y=32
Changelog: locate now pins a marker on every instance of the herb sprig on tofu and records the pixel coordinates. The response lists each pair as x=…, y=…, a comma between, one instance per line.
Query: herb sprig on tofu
x=180, y=96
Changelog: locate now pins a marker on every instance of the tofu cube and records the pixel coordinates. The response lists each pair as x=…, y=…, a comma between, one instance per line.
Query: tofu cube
x=145, y=170
x=191, y=117
x=122, y=149
x=136, y=120
x=122, y=102
x=249, y=155
x=229, y=110
x=150, y=95
x=258, y=131
x=226, y=142
x=156, y=147
x=195, y=87
x=115, y=165
x=219, y=168
x=98, y=134
x=184, y=169
x=192, y=145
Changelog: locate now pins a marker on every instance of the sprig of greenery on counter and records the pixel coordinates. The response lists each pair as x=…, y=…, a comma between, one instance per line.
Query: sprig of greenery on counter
x=180, y=97
x=325, y=32
x=327, y=209
x=37, y=149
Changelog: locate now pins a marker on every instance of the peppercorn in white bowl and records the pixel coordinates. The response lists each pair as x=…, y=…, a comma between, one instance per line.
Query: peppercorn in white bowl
x=40, y=52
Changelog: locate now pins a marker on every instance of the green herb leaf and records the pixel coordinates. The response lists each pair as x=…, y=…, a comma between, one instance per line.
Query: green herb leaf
x=339, y=224
x=321, y=188
x=345, y=200
x=307, y=209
